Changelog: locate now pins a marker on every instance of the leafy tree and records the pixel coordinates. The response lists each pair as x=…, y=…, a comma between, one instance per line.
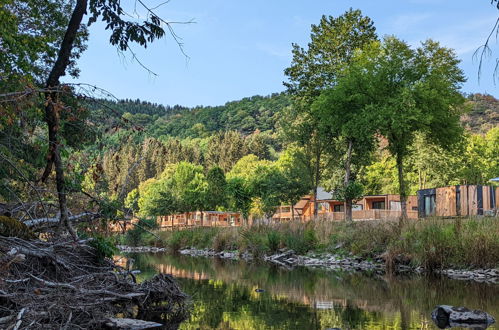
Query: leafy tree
x=269, y=186
x=333, y=43
x=292, y=164
x=123, y=33
x=225, y=149
x=216, y=195
x=345, y=109
x=240, y=196
x=415, y=91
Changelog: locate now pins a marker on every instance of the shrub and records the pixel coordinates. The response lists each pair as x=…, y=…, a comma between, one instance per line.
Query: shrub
x=226, y=240
x=105, y=247
x=273, y=240
x=140, y=233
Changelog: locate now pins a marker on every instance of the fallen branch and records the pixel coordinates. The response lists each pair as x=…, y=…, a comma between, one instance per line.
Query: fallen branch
x=63, y=285
x=82, y=217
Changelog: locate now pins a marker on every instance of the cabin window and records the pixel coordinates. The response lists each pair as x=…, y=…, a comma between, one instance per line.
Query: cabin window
x=357, y=207
x=395, y=205
x=380, y=205
x=285, y=209
x=338, y=208
x=429, y=205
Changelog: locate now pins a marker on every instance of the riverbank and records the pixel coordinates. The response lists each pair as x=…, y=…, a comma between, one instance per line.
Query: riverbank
x=458, y=248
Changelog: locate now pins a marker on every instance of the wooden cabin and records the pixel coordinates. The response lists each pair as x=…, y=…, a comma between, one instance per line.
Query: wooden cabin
x=461, y=200
x=371, y=207
x=200, y=219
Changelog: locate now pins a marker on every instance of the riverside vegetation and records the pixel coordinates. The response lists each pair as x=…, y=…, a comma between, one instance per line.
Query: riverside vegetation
x=432, y=244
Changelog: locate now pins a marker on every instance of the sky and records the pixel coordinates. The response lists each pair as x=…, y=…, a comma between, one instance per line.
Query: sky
x=240, y=48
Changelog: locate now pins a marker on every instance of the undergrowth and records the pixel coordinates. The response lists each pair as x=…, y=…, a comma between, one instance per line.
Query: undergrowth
x=432, y=243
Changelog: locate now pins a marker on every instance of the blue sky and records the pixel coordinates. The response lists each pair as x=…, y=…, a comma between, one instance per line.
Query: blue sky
x=240, y=48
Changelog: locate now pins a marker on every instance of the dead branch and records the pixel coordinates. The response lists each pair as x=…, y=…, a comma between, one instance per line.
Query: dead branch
x=82, y=217
x=37, y=293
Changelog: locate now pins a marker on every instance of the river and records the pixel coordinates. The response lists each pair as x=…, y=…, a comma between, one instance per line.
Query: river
x=238, y=295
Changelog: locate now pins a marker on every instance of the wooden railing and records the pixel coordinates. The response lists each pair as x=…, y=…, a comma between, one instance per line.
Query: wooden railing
x=361, y=215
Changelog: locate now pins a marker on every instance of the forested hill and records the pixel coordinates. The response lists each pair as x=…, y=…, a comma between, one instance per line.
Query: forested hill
x=483, y=114
x=250, y=114
x=246, y=116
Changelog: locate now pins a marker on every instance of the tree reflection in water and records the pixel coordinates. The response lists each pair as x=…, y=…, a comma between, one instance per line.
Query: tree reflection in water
x=225, y=296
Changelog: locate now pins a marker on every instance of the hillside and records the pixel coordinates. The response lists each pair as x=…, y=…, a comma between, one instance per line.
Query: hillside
x=249, y=114
x=246, y=116
x=484, y=113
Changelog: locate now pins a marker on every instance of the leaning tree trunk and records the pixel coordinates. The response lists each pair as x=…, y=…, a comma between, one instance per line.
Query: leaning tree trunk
x=402, y=188
x=52, y=111
x=348, y=200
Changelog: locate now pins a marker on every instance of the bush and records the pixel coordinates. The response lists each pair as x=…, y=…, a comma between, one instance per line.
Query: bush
x=105, y=247
x=273, y=240
x=226, y=240
x=140, y=235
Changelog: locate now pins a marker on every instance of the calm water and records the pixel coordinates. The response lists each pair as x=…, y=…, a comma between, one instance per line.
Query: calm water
x=226, y=295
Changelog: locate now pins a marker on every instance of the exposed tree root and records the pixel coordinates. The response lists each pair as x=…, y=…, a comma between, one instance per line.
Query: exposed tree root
x=62, y=285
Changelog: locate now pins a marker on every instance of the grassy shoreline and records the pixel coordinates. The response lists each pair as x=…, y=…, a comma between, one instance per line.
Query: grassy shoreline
x=431, y=243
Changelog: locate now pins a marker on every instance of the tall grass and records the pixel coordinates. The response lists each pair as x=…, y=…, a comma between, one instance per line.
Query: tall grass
x=431, y=243
x=437, y=243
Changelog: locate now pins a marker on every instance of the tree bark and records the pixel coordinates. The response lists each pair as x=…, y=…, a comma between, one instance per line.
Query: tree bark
x=317, y=179
x=52, y=116
x=292, y=211
x=348, y=200
x=402, y=188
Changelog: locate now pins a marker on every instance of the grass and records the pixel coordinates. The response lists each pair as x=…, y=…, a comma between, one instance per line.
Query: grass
x=431, y=243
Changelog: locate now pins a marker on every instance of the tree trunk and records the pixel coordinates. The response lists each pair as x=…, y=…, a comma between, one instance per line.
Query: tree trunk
x=402, y=188
x=52, y=116
x=317, y=179
x=348, y=200
x=292, y=212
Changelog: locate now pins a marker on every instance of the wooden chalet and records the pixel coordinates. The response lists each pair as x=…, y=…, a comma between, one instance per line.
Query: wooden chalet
x=372, y=207
x=461, y=200
x=200, y=219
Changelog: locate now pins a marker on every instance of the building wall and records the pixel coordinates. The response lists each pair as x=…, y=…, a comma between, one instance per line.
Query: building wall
x=461, y=200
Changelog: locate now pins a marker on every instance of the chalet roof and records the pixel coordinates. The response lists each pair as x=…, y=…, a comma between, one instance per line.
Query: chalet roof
x=301, y=204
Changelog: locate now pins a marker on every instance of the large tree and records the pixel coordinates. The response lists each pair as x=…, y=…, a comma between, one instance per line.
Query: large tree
x=123, y=33
x=413, y=91
x=292, y=164
x=333, y=43
x=345, y=112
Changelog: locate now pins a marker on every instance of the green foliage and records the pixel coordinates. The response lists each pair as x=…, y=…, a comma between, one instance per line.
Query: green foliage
x=273, y=240
x=216, y=195
x=139, y=234
x=352, y=191
x=105, y=247
x=196, y=237
x=332, y=45
x=438, y=243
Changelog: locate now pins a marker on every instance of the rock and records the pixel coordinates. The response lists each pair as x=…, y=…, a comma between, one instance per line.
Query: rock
x=446, y=316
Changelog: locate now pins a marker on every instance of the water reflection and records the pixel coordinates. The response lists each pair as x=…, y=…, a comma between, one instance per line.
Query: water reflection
x=226, y=296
